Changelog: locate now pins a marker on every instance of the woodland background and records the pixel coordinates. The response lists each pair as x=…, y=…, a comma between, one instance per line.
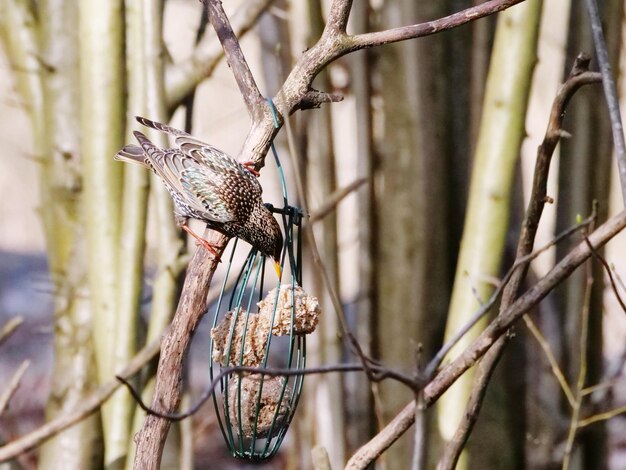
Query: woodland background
x=74, y=222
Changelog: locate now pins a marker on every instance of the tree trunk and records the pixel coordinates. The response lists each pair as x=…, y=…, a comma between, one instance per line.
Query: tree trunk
x=44, y=54
x=413, y=252
x=102, y=135
x=486, y=222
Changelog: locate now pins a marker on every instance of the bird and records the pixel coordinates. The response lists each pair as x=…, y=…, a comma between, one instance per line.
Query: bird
x=209, y=185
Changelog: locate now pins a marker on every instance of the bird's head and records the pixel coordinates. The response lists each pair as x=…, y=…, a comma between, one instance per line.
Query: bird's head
x=266, y=236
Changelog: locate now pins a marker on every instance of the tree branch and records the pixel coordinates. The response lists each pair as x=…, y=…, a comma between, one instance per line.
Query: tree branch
x=333, y=44
x=450, y=373
x=181, y=78
x=234, y=56
x=191, y=307
x=14, y=383
x=486, y=367
x=294, y=94
x=578, y=77
x=402, y=33
x=610, y=92
x=9, y=328
x=89, y=406
x=338, y=17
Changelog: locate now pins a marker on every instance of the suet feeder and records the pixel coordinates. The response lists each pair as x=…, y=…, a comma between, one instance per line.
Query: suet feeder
x=261, y=322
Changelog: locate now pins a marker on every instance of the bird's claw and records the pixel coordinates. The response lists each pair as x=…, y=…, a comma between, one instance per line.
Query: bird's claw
x=211, y=248
x=202, y=242
x=251, y=167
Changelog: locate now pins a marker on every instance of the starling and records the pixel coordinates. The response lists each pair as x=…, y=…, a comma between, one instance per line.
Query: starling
x=211, y=186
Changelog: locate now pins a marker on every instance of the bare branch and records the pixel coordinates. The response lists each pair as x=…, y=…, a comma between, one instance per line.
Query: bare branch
x=182, y=77
x=333, y=44
x=14, y=383
x=191, y=307
x=9, y=328
x=554, y=365
x=578, y=77
x=334, y=199
x=314, y=99
x=486, y=367
x=449, y=374
x=527, y=301
x=236, y=60
x=484, y=309
x=381, y=372
x=362, y=41
x=338, y=17
x=610, y=92
x=88, y=406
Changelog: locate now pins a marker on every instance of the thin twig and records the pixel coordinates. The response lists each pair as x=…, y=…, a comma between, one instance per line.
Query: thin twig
x=554, y=365
x=382, y=373
x=87, y=407
x=582, y=372
x=602, y=416
x=486, y=307
x=607, y=268
x=610, y=91
x=361, y=41
x=451, y=372
x=9, y=328
x=14, y=383
x=599, y=387
x=455, y=446
x=334, y=199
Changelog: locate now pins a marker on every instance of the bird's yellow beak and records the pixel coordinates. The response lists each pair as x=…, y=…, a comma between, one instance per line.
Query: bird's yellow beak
x=278, y=269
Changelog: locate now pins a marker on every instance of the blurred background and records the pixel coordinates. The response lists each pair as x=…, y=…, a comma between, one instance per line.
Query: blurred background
x=91, y=261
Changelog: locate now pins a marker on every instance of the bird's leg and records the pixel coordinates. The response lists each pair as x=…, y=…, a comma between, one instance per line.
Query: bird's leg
x=203, y=242
x=251, y=167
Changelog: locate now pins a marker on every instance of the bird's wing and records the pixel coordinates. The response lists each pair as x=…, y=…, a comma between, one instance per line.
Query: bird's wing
x=201, y=152
x=219, y=163
x=184, y=175
x=200, y=186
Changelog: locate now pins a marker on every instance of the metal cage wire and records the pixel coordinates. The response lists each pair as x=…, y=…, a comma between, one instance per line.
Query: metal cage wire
x=254, y=411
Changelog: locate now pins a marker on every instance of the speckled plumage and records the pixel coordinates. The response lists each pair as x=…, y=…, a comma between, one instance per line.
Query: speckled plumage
x=209, y=185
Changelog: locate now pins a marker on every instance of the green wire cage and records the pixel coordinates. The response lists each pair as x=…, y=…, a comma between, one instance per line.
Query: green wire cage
x=262, y=322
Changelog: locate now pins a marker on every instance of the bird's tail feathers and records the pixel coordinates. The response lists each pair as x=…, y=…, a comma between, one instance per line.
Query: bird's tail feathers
x=130, y=153
x=160, y=127
x=182, y=137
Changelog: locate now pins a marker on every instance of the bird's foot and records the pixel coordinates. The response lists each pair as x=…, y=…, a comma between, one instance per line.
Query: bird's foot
x=251, y=167
x=202, y=242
